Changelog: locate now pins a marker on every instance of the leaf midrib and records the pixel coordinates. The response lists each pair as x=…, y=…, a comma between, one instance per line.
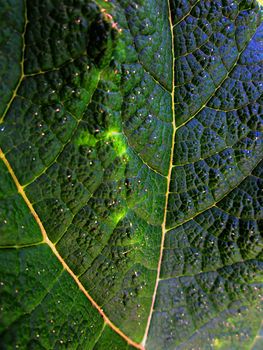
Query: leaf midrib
x=168, y=181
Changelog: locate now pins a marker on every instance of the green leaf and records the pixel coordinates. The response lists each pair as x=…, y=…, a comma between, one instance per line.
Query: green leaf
x=131, y=174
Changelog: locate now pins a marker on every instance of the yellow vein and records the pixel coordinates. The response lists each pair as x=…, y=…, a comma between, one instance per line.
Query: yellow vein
x=258, y=337
x=21, y=65
x=139, y=155
x=56, y=253
x=20, y=246
x=167, y=189
x=187, y=14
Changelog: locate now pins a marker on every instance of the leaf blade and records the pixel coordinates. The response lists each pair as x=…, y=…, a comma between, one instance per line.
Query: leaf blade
x=100, y=183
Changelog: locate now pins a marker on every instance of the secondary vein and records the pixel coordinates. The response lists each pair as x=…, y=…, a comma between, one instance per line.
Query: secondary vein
x=59, y=257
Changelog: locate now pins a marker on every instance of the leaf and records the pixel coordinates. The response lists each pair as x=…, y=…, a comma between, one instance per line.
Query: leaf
x=131, y=174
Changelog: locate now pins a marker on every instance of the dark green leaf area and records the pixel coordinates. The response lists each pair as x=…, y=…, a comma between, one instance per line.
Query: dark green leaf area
x=59, y=32
x=49, y=297
x=147, y=29
x=17, y=224
x=47, y=308
x=110, y=340
x=59, y=79
x=49, y=107
x=11, y=47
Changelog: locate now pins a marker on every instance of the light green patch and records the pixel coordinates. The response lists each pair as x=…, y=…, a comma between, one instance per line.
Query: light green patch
x=120, y=51
x=217, y=343
x=86, y=139
x=117, y=217
x=118, y=140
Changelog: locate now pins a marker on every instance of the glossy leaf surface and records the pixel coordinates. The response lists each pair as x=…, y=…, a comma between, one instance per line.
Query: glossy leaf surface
x=131, y=174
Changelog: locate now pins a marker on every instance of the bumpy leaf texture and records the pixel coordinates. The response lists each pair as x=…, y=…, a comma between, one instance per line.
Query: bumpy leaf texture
x=131, y=174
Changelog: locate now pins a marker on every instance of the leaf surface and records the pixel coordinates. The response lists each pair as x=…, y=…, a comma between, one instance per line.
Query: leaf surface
x=131, y=174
